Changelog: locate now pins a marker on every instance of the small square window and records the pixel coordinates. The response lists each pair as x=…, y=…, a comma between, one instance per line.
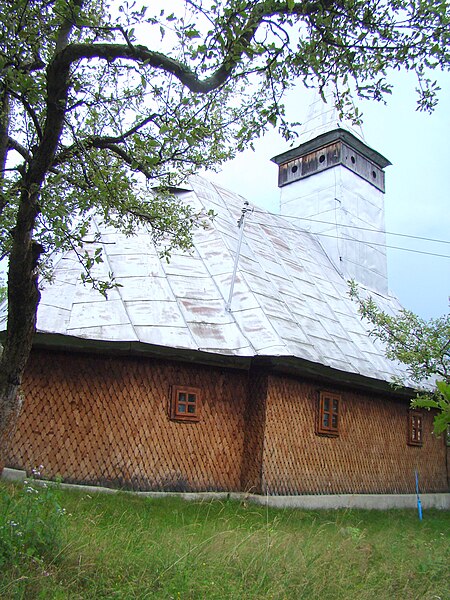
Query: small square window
x=328, y=414
x=184, y=403
x=415, y=429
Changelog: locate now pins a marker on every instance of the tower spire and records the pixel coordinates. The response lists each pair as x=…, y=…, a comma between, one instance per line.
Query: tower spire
x=335, y=182
x=323, y=116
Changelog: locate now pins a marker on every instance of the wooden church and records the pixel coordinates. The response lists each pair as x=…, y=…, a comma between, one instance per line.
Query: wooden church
x=242, y=365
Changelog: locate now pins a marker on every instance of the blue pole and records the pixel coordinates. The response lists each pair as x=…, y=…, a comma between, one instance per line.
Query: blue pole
x=419, y=504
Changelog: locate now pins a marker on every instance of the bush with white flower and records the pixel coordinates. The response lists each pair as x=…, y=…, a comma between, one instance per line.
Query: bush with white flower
x=31, y=521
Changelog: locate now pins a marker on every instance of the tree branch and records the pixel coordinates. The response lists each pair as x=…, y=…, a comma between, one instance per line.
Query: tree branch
x=15, y=145
x=66, y=27
x=111, y=52
x=100, y=142
x=30, y=111
x=4, y=139
x=126, y=158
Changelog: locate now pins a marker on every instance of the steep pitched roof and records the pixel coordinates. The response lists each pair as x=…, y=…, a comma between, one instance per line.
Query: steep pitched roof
x=289, y=302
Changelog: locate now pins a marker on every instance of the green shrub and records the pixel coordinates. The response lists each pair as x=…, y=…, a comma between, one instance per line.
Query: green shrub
x=31, y=522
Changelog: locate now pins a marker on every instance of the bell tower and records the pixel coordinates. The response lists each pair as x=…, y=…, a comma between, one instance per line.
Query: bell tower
x=333, y=185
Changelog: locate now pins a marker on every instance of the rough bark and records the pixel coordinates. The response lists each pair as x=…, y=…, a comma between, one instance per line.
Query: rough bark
x=23, y=299
x=10, y=407
x=4, y=140
x=23, y=291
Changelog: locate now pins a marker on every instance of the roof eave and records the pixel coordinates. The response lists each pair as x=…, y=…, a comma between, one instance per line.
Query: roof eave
x=328, y=138
x=288, y=365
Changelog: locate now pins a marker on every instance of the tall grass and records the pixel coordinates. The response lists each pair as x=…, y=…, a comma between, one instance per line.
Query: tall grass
x=30, y=524
x=123, y=546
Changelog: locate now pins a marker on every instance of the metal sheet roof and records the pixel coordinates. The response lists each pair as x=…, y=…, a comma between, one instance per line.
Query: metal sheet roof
x=288, y=302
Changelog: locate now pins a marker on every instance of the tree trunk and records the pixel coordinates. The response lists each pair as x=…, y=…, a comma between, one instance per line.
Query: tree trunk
x=23, y=300
x=12, y=365
x=4, y=132
x=10, y=406
x=23, y=291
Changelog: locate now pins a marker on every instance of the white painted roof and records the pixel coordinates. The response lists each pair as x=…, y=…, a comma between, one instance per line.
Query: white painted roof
x=289, y=300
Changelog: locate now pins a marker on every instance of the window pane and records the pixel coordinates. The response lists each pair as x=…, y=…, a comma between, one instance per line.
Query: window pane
x=185, y=403
x=326, y=404
x=334, y=421
x=335, y=406
x=326, y=420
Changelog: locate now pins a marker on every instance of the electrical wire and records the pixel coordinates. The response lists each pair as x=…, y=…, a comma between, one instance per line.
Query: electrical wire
x=354, y=240
x=309, y=219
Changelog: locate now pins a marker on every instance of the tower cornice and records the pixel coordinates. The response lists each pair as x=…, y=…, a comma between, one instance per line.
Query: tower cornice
x=330, y=137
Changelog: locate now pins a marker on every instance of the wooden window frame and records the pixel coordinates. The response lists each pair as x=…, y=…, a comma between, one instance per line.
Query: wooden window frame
x=328, y=414
x=415, y=428
x=177, y=401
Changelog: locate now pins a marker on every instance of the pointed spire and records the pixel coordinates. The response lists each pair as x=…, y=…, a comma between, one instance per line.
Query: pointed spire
x=322, y=116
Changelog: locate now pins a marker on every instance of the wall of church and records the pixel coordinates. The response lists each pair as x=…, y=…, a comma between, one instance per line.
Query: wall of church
x=105, y=420
x=369, y=455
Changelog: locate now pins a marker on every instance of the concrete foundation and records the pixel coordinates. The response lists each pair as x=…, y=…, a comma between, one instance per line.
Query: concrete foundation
x=314, y=502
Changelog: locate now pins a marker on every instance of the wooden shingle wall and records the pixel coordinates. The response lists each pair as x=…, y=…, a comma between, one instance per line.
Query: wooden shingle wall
x=105, y=421
x=370, y=455
x=255, y=416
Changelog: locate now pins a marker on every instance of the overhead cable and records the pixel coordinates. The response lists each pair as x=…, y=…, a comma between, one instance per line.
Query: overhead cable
x=355, y=240
x=310, y=220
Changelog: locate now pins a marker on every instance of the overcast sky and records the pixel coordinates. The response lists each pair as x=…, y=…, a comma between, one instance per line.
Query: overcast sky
x=417, y=199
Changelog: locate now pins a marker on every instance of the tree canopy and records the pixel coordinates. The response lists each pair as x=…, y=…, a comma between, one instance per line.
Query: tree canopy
x=92, y=105
x=101, y=101
x=422, y=346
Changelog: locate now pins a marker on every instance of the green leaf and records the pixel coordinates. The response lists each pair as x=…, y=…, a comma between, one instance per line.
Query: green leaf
x=192, y=33
x=444, y=388
x=424, y=402
x=441, y=422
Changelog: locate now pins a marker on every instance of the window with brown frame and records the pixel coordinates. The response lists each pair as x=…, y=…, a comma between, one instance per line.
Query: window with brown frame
x=415, y=429
x=185, y=403
x=328, y=418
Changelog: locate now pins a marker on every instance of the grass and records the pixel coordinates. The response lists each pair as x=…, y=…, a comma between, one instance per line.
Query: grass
x=122, y=546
